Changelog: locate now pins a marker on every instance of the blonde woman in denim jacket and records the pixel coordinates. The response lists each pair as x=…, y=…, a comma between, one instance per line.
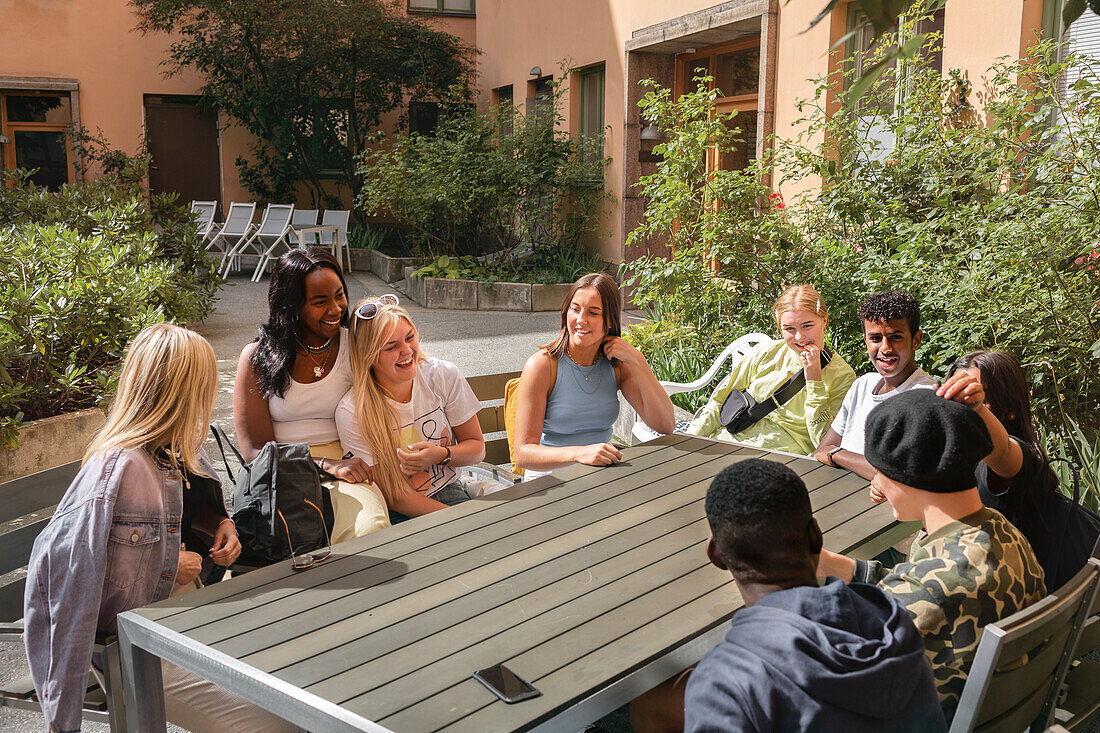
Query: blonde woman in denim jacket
x=113, y=543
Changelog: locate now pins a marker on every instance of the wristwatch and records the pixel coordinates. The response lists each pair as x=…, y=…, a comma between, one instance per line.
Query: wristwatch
x=446, y=460
x=831, y=453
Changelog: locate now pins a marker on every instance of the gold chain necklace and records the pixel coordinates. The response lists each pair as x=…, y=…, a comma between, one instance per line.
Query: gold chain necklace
x=319, y=367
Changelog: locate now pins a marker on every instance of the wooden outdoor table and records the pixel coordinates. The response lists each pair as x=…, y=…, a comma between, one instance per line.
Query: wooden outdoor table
x=591, y=583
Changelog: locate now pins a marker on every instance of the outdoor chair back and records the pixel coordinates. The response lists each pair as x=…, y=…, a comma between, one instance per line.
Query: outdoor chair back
x=236, y=229
x=339, y=242
x=273, y=234
x=25, y=507
x=204, y=212
x=273, y=230
x=489, y=390
x=303, y=218
x=1021, y=661
x=1080, y=705
x=735, y=352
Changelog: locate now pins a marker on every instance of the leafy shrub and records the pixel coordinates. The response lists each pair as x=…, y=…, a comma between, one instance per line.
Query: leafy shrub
x=990, y=220
x=365, y=237
x=81, y=272
x=485, y=182
x=452, y=268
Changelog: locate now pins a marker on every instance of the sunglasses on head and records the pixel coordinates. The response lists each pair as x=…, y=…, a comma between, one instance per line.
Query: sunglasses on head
x=369, y=310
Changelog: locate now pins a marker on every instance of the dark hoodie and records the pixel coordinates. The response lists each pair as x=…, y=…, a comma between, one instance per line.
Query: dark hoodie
x=835, y=658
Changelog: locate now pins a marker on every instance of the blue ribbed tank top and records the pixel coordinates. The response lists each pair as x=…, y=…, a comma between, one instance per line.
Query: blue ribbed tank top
x=580, y=412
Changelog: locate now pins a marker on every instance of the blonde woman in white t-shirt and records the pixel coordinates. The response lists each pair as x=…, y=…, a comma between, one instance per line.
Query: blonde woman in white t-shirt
x=290, y=379
x=411, y=417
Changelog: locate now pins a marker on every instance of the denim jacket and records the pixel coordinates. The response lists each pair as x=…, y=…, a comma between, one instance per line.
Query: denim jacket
x=112, y=545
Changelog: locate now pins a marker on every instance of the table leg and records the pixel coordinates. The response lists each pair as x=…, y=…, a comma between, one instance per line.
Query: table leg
x=143, y=687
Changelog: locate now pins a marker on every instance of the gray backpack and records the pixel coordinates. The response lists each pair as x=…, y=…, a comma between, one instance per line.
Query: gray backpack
x=279, y=505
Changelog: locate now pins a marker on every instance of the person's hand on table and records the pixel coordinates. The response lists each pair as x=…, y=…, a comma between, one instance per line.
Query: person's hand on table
x=832, y=565
x=877, y=495
x=598, y=454
x=227, y=547
x=190, y=565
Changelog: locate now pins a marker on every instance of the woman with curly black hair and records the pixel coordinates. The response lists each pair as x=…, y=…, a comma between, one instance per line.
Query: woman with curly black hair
x=290, y=379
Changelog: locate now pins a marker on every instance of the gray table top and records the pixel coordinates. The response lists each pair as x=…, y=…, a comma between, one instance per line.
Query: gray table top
x=574, y=580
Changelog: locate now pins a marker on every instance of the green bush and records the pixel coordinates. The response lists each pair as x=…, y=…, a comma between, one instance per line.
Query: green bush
x=990, y=218
x=486, y=182
x=81, y=272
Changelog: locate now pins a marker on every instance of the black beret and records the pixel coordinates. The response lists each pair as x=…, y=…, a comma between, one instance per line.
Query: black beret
x=925, y=441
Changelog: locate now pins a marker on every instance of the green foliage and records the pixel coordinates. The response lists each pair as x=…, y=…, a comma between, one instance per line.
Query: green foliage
x=989, y=218
x=310, y=79
x=365, y=237
x=81, y=272
x=547, y=264
x=488, y=182
x=463, y=267
x=724, y=220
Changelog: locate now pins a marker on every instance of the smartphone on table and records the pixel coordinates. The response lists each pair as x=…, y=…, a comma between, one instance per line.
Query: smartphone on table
x=506, y=684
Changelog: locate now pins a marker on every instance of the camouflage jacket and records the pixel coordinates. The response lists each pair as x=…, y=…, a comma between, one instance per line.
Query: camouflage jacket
x=968, y=573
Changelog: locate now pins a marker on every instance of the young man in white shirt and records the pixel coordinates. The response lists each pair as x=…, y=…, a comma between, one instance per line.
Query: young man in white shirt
x=891, y=332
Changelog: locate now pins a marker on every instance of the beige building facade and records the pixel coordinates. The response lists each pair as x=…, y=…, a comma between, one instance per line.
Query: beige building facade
x=64, y=62
x=631, y=40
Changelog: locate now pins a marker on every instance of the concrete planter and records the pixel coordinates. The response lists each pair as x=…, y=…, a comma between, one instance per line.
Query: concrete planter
x=392, y=269
x=549, y=297
x=438, y=292
x=50, y=442
x=360, y=258
x=504, y=297
x=434, y=292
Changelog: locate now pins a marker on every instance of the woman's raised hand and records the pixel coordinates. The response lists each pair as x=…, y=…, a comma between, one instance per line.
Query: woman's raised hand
x=616, y=347
x=598, y=454
x=353, y=470
x=964, y=388
x=811, y=362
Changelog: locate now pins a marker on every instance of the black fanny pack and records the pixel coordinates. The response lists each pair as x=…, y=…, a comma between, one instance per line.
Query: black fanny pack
x=740, y=411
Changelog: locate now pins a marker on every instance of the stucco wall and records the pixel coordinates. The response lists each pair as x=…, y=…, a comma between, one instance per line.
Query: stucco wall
x=516, y=36
x=93, y=41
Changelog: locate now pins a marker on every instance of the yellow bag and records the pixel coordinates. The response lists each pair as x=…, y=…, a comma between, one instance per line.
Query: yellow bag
x=510, y=389
x=510, y=421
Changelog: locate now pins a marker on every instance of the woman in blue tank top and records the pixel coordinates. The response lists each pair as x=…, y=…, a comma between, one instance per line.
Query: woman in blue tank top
x=567, y=398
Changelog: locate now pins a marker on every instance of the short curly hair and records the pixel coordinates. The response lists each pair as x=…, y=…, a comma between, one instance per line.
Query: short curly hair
x=758, y=511
x=890, y=306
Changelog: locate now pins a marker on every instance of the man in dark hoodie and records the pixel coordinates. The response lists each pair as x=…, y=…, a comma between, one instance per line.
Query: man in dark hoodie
x=800, y=656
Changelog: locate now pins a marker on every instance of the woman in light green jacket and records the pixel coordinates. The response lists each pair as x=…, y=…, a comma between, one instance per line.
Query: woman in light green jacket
x=800, y=424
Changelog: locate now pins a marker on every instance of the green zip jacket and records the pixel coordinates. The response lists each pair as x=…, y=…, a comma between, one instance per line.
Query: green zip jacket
x=796, y=427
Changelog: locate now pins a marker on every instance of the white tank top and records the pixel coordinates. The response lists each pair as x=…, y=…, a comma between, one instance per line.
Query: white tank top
x=306, y=413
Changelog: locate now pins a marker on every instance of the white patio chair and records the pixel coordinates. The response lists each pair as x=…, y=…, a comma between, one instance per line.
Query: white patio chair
x=734, y=352
x=238, y=226
x=273, y=230
x=340, y=218
x=204, y=212
x=1021, y=661
x=303, y=218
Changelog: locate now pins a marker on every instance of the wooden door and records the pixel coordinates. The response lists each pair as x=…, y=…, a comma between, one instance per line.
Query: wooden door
x=183, y=142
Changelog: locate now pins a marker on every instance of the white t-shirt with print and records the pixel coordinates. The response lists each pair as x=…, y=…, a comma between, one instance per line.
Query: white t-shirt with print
x=861, y=399
x=441, y=398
